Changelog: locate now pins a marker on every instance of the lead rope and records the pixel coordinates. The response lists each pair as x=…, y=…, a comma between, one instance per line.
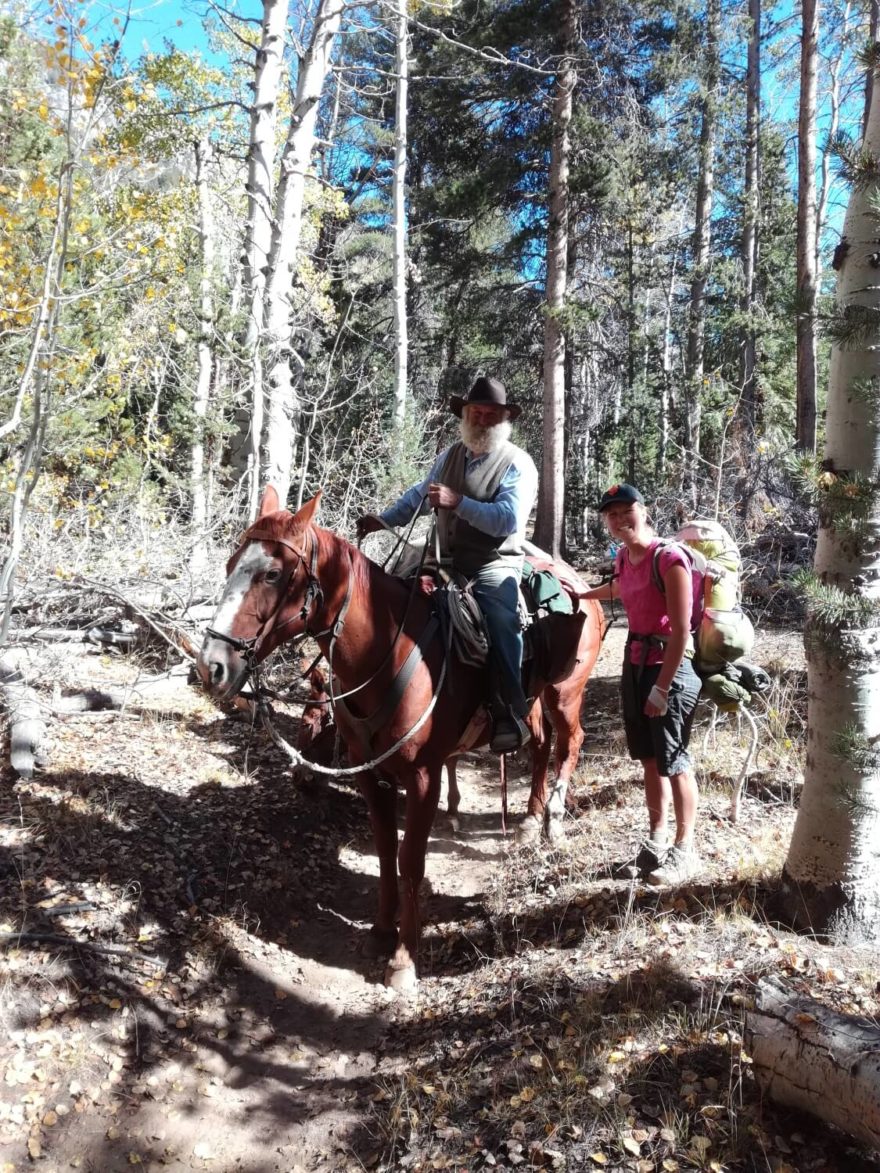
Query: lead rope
x=265, y=711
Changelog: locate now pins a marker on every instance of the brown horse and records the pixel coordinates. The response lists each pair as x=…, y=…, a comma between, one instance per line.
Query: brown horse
x=288, y=577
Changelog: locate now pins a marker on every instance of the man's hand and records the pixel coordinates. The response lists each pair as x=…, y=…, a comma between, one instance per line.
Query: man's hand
x=442, y=497
x=369, y=523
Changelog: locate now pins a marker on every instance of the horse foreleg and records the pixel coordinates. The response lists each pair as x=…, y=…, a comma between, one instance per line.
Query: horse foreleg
x=540, y=761
x=422, y=797
x=453, y=795
x=565, y=715
x=381, y=801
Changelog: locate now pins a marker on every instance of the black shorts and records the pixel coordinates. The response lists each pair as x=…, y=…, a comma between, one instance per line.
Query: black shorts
x=663, y=738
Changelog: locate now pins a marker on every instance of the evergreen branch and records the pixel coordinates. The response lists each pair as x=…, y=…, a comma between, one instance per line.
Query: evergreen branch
x=868, y=57
x=846, y=500
x=856, y=166
x=866, y=389
x=852, y=746
x=850, y=796
x=855, y=327
x=804, y=470
x=830, y=607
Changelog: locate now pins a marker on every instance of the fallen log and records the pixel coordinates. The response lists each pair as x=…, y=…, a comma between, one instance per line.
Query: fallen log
x=27, y=727
x=75, y=635
x=817, y=1060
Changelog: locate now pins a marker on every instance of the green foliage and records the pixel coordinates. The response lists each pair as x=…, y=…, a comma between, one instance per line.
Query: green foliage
x=851, y=745
x=832, y=608
x=856, y=166
x=854, y=327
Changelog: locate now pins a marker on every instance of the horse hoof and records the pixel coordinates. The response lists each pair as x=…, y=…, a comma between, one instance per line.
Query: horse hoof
x=553, y=830
x=403, y=980
x=529, y=830
x=379, y=943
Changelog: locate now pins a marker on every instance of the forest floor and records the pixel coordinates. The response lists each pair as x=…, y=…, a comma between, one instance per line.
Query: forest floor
x=182, y=986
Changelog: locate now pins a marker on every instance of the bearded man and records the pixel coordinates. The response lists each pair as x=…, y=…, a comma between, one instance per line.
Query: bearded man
x=483, y=488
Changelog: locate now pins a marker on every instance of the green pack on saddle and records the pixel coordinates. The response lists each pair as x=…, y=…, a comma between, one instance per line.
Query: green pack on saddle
x=725, y=632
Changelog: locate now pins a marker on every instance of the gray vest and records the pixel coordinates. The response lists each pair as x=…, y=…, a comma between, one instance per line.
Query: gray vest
x=468, y=547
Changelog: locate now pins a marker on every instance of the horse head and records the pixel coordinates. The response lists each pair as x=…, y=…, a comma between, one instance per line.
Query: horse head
x=269, y=594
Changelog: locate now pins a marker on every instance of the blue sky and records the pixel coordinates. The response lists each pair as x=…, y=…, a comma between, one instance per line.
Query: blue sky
x=178, y=21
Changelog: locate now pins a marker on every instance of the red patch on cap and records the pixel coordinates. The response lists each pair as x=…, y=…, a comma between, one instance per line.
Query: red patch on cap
x=614, y=490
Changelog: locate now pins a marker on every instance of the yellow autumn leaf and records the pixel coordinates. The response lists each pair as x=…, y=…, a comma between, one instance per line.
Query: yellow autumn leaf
x=616, y=1056
x=599, y=1158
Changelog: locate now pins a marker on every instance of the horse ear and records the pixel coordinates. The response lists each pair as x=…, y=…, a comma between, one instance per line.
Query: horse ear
x=306, y=515
x=270, y=502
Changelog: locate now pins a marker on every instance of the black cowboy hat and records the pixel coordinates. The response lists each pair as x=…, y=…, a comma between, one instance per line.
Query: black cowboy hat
x=486, y=391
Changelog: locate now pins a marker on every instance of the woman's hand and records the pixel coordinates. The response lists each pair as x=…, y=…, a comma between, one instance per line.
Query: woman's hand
x=657, y=702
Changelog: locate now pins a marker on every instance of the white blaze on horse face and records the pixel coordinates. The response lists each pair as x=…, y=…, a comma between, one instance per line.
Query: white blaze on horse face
x=253, y=560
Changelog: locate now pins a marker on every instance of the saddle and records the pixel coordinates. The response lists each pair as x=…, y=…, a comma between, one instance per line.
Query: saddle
x=548, y=608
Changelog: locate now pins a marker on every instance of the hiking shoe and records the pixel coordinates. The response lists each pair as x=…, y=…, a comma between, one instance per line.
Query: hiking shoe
x=681, y=863
x=509, y=733
x=649, y=856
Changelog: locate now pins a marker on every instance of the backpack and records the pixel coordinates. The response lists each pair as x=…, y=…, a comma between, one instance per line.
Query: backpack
x=723, y=632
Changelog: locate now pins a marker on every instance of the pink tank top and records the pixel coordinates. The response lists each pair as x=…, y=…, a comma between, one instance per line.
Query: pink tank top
x=644, y=603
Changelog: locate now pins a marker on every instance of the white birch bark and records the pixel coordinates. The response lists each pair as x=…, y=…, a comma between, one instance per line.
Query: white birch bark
x=282, y=405
x=807, y=289
x=816, y=1060
x=702, y=242
x=399, y=191
x=549, y=528
x=205, y=361
x=750, y=215
x=831, y=880
x=258, y=225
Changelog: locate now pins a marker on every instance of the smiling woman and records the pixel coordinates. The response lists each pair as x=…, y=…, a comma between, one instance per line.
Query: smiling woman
x=659, y=685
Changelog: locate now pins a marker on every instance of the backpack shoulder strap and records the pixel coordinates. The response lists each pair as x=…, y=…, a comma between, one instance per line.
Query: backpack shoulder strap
x=693, y=557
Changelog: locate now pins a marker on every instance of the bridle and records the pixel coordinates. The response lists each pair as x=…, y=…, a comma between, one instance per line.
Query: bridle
x=313, y=597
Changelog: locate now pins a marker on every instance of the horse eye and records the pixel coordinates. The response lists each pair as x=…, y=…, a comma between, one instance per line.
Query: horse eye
x=273, y=575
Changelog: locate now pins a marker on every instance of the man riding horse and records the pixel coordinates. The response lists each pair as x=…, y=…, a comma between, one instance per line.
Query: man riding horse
x=483, y=488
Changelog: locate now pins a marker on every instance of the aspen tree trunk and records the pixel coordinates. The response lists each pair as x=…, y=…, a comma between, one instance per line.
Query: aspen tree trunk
x=551, y=503
x=835, y=65
x=750, y=218
x=805, y=425
x=702, y=241
x=400, y=145
x=258, y=225
x=873, y=34
x=831, y=879
x=665, y=406
x=282, y=404
x=205, y=360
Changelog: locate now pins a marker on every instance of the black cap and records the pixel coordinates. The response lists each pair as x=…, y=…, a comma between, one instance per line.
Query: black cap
x=620, y=495
x=488, y=392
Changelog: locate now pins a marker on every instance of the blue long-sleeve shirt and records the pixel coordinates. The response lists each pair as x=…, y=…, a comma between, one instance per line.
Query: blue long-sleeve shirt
x=507, y=514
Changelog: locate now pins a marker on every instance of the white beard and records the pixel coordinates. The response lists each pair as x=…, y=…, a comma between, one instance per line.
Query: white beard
x=481, y=440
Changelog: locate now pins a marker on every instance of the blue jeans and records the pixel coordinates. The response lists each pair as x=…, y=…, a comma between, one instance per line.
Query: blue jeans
x=496, y=589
